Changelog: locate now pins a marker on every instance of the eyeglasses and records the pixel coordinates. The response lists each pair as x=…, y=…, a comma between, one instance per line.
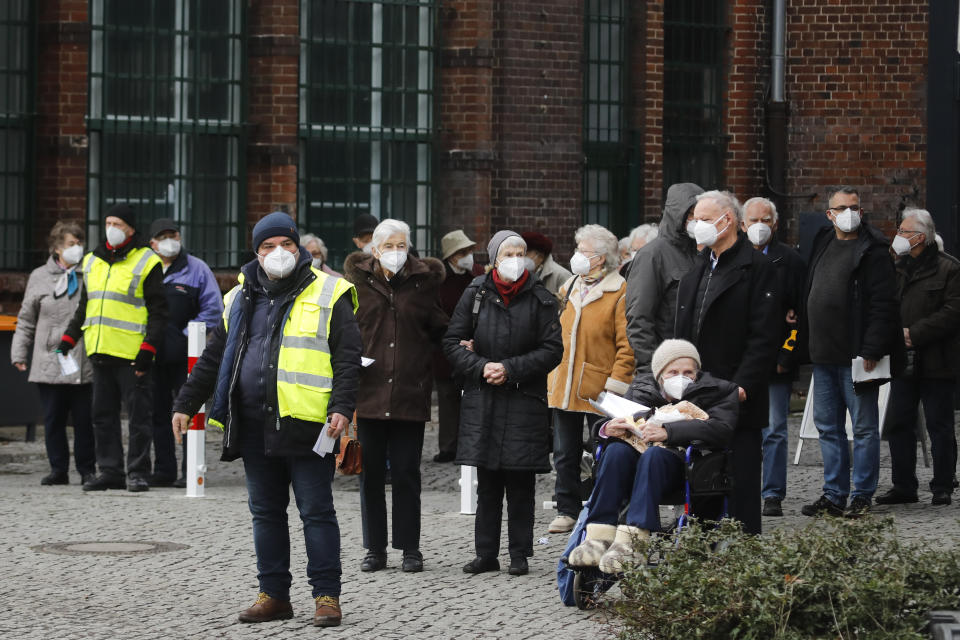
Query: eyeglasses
x=852, y=207
x=910, y=232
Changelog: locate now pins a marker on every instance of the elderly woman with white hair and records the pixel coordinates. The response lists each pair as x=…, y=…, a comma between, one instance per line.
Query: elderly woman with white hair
x=400, y=321
x=503, y=340
x=318, y=249
x=596, y=357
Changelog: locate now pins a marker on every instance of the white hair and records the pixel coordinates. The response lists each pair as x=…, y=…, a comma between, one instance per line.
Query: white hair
x=939, y=243
x=624, y=244
x=725, y=200
x=772, y=208
x=387, y=228
x=603, y=241
x=511, y=241
x=645, y=231
x=924, y=221
x=307, y=238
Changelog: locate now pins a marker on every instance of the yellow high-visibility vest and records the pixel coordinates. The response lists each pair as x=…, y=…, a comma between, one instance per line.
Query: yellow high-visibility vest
x=116, y=313
x=304, y=366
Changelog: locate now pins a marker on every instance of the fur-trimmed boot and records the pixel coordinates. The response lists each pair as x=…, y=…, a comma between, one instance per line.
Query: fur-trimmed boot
x=598, y=540
x=622, y=549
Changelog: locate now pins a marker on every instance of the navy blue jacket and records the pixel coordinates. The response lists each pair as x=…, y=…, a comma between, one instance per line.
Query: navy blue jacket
x=192, y=295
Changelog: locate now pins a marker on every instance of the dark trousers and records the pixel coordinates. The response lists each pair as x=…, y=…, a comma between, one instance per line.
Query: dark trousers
x=402, y=442
x=59, y=401
x=111, y=385
x=643, y=479
x=747, y=453
x=167, y=380
x=937, y=398
x=448, y=406
x=519, y=488
x=567, y=452
x=268, y=489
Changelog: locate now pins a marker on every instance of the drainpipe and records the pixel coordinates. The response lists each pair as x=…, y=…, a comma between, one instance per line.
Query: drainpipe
x=777, y=104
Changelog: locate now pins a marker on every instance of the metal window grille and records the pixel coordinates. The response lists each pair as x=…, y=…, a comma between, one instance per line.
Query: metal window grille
x=695, y=33
x=366, y=116
x=605, y=109
x=17, y=80
x=165, y=118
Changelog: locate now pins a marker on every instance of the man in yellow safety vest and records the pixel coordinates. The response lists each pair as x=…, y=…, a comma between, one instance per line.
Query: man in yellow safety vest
x=122, y=315
x=283, y=366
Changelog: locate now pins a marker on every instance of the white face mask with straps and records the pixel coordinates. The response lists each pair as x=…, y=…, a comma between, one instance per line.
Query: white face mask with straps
x=510, y=269
x=72, y=255
x=676, y=386
x=279, y=263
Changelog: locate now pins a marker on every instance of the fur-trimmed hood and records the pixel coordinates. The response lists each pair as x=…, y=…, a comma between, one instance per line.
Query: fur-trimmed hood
x=359, y=265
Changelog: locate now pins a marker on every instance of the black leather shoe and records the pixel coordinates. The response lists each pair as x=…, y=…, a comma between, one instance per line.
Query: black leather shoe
x=444, y=456
x=136, y=485
x=55, y=477
x=772, y=507
x=858, y=507
x=102, y=483
x=519, y=567
x=895, y=496
x=87, y=477
x=823, y=506
x=481, y=565
x=941, y=498
x=180, y=483
x=374, y=561
x=412, y=561
x=161, y=481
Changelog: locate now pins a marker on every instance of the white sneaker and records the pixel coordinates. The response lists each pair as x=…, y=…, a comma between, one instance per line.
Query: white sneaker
x=561, y=524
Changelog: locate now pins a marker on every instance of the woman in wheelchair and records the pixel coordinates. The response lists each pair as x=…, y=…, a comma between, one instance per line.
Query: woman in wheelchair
x=624, y=473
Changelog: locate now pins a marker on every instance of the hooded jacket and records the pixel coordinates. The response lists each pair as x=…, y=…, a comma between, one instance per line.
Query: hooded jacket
x=401, y=322
x=40, y=325
x=153, y=296
x=655, y=275
x=874, y=329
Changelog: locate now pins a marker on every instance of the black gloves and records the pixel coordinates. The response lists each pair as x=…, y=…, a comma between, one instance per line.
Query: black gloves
x=143, y=361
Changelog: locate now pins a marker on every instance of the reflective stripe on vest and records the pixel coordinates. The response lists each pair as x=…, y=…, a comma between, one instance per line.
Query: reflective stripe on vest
x=304, y=367
x=115, y=322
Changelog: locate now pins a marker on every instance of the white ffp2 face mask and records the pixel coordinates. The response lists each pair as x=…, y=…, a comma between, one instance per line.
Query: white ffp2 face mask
x=848, y=220
x=466, y=262
x=279, y=263
x=676, y=386
x=393, y=261
x=901, y=246
x=706, y=233
x=691, y=226
x=529, y=265
x=72, y=255
x=168, y=247
x=115, y=236
x=510, y=269
x=759, y=234
x=579, y=264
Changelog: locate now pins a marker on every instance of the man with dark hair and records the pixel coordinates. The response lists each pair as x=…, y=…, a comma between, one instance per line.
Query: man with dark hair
x=122, y=316
x=850, y=312
x=540, y=261
x=363, y=226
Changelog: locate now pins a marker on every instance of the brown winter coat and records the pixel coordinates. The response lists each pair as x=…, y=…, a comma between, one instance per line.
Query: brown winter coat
x=596, y=352
x=400, y=321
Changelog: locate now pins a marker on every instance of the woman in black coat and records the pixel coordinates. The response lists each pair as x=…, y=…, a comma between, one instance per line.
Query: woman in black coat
x=503, y=340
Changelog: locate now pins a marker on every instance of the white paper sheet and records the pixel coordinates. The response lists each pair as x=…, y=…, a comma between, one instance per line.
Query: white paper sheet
x=325, y=443
x=365, y=361
x=880, y=372
x=614, y=406
x=68, y=364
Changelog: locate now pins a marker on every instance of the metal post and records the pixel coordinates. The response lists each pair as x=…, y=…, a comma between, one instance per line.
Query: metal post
x=468, y=489
x=196, y=468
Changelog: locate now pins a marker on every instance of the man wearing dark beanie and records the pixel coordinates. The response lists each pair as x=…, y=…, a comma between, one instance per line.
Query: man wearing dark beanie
x=283, y=366
x=122, y=316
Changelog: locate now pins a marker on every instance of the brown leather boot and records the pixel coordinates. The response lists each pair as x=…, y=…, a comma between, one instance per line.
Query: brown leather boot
x=266, y=609
x=328, y=612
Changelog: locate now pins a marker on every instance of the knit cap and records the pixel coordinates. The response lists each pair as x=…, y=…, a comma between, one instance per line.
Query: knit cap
x=670, y=350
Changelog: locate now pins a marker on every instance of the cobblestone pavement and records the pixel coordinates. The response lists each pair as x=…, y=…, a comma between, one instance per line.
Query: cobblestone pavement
x=196, y=592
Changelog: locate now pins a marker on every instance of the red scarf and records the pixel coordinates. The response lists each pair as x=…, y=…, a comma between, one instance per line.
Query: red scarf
x=509, y=289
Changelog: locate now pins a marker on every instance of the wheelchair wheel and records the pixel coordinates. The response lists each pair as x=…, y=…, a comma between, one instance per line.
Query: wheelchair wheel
x=583, y=591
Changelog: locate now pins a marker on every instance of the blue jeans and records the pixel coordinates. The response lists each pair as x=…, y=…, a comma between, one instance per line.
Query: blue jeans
x=644, y=479
x=937, y=398
x=775, y=443
x=268, y=488
x=833, y=396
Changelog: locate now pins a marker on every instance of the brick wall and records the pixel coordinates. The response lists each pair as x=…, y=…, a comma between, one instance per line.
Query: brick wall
x=856, y=84
x=646, y=54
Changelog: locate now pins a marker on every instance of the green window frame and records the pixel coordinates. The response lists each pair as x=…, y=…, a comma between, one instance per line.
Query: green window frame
x=694, y=69
x=165, y=119
x=605, y=109
x=17, y=106
x=366, y=125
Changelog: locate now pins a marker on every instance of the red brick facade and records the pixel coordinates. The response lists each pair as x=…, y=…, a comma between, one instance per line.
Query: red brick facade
x=509, y=110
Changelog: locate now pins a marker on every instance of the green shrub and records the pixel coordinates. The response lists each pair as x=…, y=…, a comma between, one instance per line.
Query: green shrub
x=835, y=578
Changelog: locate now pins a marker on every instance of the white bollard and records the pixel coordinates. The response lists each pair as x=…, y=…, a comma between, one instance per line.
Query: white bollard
x=468, y=489
x=196, y=468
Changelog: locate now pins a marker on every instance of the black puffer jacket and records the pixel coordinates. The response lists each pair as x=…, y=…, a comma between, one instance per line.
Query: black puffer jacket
x=718, y=398
x=506, y=426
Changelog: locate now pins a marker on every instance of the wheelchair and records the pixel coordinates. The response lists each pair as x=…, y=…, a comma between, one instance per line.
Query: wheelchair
x=707, y=477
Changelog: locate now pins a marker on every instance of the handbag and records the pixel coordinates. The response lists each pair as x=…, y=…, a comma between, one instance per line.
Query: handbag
x=350, y=456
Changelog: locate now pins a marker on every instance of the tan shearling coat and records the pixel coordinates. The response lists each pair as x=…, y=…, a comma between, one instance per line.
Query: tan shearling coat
x=596, y=353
